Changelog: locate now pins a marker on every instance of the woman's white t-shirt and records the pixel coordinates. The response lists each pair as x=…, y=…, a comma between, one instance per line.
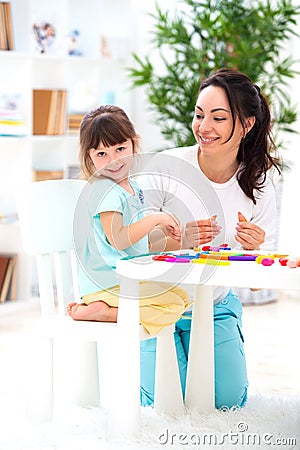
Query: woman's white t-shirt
x=172, y=181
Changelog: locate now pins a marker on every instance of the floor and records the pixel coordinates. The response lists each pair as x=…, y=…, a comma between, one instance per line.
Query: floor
x=271, y=331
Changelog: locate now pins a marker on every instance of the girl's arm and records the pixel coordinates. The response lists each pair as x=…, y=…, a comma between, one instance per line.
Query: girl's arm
x=122, y=236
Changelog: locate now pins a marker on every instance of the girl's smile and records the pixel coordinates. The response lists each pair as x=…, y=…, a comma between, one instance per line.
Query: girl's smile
x=114, y=161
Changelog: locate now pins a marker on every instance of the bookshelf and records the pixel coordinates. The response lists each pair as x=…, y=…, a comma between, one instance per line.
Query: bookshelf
x=82, y=66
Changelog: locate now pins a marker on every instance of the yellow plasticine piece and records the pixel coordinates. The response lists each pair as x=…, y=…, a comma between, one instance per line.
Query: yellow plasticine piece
x=261, y=257
x=210, y=262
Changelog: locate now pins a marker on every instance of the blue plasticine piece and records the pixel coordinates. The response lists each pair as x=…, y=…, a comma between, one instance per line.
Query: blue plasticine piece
x=242, y=258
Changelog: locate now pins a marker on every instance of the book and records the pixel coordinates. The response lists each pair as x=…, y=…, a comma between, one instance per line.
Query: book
x=42, y=175
x=8, y=23
x=6, y=33
x=4, y=261
x=49, y=111
x=74, y=121
x=12, y=293
x=2, y=28
x=9, y=280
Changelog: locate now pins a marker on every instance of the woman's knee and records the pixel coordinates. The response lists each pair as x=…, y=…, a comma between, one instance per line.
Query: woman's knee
x=231, y=396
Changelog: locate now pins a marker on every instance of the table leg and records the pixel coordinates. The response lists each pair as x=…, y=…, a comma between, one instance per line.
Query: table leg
x=124, y=418
x=200, y=383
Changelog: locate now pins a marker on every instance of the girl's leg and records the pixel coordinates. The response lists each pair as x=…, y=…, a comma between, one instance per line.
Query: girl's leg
x=96, y=311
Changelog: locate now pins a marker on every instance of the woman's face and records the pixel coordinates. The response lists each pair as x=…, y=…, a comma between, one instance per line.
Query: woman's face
x=212, y=123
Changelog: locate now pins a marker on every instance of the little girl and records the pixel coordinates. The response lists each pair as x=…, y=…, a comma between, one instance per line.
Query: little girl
x=108, y=143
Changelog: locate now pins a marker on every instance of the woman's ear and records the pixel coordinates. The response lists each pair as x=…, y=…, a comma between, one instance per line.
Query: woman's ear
x=249, y=124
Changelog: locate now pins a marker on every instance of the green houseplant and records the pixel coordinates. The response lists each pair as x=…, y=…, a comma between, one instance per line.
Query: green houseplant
x=204, y=35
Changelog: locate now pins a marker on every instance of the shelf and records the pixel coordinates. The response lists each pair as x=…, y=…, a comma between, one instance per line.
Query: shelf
x=91, y=79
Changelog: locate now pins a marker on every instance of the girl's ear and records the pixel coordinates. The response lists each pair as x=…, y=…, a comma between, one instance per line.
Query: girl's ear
x=136, y=143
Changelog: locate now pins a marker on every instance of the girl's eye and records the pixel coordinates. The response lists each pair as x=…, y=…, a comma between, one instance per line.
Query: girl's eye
x=120, y=149
x=101, y=154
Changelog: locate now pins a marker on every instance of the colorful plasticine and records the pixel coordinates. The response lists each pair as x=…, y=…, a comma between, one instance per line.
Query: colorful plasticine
x=216, y=256
x=209, y=248
x=178, y=260
x=241, y=217
x=210, y=262
x=242, y=258
x=223, y=258
x=268, y=261
x=283, y=261
x=162, y=257
x=293, y=263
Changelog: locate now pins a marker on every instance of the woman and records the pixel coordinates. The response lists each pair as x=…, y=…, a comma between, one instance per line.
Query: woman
x=230, y=163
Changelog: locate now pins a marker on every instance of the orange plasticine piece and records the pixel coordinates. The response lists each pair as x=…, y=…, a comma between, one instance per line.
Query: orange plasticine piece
x=241, y=217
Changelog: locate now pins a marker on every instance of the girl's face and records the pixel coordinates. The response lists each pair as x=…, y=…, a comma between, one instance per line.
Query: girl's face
x=212, y=123
x=113, y=162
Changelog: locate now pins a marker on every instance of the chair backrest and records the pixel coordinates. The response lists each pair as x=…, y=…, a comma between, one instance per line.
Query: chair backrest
x=46, y=214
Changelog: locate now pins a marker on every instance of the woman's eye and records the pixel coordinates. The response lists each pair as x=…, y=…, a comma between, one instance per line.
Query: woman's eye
x=198, y=116
x=219, y=119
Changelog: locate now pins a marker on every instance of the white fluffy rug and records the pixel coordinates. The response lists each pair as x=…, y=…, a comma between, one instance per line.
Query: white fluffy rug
x=265, y=423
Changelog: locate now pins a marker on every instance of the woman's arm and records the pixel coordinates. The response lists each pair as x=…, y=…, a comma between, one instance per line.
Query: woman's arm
x=260, y=232
x=122, y=236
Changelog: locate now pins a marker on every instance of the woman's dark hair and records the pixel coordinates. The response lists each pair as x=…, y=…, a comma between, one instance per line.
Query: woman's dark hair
x=246, y=100
x=108, y=125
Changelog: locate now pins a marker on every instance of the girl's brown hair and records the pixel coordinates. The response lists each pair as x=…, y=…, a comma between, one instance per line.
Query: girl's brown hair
x=108, y=125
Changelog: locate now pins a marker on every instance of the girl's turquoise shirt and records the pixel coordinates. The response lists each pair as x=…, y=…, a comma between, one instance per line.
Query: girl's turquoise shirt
x=99, y=257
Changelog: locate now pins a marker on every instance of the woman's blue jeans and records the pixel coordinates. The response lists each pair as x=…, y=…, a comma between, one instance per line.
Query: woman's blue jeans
x=231, y=381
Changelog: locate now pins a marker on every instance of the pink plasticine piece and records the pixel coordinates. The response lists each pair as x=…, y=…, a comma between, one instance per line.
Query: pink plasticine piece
x=267, y=262
x=292, y=263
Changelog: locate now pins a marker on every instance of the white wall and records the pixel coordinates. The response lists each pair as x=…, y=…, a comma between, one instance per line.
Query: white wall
x=144, y=120
x=290, y=215
x=289, y=241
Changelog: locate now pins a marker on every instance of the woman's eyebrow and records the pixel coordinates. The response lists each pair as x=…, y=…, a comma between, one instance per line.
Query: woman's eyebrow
x=214, y=109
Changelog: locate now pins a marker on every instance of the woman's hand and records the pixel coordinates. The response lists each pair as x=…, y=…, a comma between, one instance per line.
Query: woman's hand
x=201, y=232
x=249, y=235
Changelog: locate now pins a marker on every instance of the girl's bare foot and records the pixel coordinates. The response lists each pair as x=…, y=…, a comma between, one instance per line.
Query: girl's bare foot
x=96, y=311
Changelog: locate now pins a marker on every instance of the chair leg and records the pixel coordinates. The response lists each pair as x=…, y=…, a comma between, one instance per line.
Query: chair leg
x=88, y=377
x=168, y=394
x=124, y=419
x=75, y=379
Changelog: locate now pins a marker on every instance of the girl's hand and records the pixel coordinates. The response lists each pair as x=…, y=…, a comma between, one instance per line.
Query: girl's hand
x=170, y=226
x=249, y=235
x=201, y=232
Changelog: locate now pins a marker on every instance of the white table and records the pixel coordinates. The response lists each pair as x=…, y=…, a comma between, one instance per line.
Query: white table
x=200, y=374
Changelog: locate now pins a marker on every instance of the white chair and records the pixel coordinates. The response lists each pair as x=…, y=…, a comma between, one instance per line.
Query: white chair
x=78, y=359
